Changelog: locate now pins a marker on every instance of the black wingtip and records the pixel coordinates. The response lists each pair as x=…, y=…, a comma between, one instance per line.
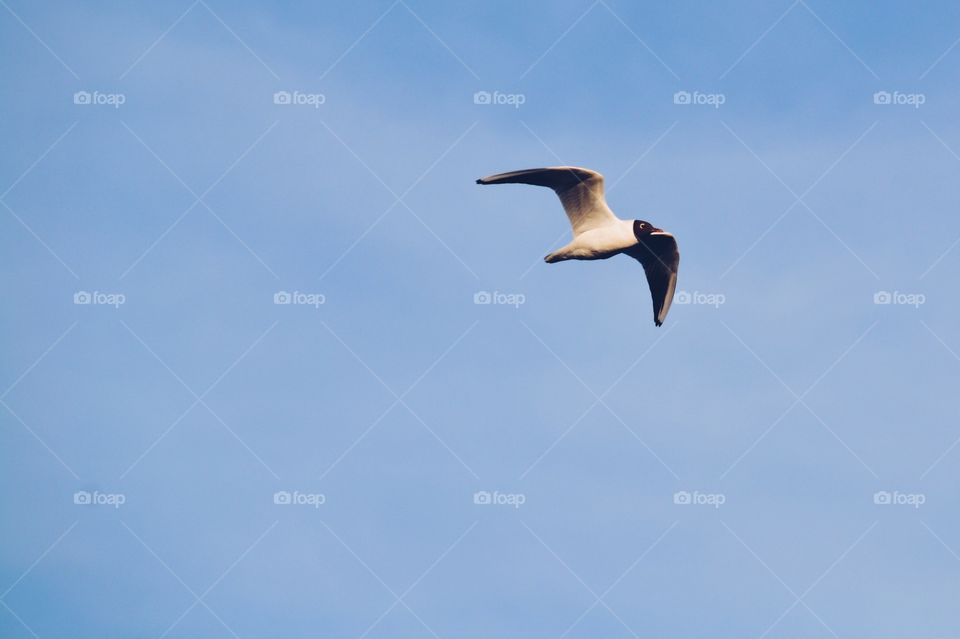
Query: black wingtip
x=658, y=323
x=479, y=180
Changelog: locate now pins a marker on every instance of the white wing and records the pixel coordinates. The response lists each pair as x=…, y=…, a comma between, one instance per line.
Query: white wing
x=580, y=191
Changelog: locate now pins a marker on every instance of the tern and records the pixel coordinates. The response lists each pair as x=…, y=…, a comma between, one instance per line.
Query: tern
x=599, y=234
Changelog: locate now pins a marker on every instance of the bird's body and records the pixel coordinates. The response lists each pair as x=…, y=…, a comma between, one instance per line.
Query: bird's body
x=597, y=243
x=599, y=234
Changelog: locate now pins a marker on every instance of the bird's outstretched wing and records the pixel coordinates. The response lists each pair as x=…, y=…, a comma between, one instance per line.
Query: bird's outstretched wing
x=660, y=258
x=580, y=191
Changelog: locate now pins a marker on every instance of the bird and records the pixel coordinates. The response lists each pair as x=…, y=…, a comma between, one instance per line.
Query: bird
x=598, y=234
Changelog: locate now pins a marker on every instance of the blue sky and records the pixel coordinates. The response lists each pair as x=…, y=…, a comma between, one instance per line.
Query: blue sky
x=782, y=400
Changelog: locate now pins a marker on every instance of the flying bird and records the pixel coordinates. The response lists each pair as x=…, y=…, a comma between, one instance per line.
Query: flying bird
x=599, y=234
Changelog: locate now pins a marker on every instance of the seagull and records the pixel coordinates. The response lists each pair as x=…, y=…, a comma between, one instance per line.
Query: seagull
x=599, y=234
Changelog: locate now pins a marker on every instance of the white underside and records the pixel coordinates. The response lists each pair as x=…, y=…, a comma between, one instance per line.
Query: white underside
x=599, y=242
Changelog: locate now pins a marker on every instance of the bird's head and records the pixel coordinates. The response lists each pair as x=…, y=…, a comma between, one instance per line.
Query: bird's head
x=641, y=228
